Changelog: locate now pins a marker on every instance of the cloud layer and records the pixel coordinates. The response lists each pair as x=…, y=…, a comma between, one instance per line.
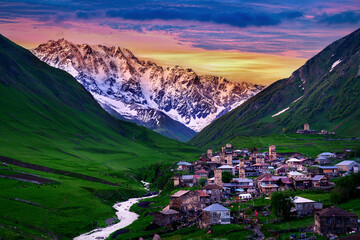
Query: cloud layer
x=284, y=28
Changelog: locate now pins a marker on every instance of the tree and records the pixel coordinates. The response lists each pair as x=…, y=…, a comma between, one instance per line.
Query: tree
x=345, y=188
x=281, y=204
x=202, y=181
x=227, y=177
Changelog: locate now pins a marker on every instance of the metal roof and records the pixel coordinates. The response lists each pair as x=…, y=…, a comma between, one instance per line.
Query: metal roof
x=298, y=199
x=346, y=162
x=215, y=208
x=295, y=173
x=226, y=167
x=169, y=211
x=317, y=177
x=187, y=176
x=184, y=163
x=328, y=167
x=293, y=160
x=180, y=193
x=242, y=180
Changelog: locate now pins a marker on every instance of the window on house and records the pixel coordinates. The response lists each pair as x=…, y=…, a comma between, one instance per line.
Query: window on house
x=338, y=220
x=329, y=220
x=347, y=221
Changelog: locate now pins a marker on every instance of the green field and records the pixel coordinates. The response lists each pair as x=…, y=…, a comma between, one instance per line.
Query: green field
x=308, y=145
x=225, y=232
x=47, y=118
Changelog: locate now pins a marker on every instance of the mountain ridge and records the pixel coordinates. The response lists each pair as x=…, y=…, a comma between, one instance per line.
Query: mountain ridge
x=129, y=86
x=322, y=93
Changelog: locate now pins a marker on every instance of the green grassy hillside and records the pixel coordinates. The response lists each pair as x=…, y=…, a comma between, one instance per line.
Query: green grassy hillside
x=325, y=98
x=48, y=119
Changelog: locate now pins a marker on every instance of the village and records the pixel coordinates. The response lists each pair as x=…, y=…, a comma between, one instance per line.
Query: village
x=231, y=178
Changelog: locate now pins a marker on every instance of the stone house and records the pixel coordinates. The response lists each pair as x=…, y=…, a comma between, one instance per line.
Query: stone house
x=166, y=217
x=227, y=168
x=322, y=160
x=244, y=182
x=202, y=173
x=329, y=171
x=215, y=214
x=303, y=206
x=183, y=165
x=215, y=192
x=301, y=183
x=346, y=166
x=335, y=220
x=295, y=174
x=268, y=185
x=204, y=199
x=185, y=200
x=283, y=170
x=320, y=181
x=294, y=163
x=327, y=155
x=250, y=172
x=189, y=180
x=283, y=182
x=262, y=167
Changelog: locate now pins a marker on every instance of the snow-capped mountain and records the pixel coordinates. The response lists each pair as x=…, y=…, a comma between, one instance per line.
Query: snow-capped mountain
x=140, y=90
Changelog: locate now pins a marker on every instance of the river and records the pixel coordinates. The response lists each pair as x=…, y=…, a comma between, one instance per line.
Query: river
x=123, y=214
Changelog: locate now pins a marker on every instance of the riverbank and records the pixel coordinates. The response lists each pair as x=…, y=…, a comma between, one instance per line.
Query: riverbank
x=123, y=213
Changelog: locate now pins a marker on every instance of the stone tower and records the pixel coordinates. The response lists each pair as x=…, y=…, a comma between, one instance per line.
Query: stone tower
x=176, y=180
x=272, y=152
x=209, y=153
x=306, y=127
x=241, y=169
x=218, y=177
x=229, y=158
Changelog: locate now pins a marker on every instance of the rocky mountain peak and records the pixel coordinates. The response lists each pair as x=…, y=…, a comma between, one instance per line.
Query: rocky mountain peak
x=129, y=86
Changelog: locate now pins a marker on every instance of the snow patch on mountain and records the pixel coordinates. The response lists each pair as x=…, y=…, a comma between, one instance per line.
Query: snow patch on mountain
x=282, y=111
x=335, y=64
x=298, y=99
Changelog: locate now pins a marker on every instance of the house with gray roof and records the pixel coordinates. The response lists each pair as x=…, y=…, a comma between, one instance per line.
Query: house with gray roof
x=320, y=181
x=215, y=214
x=346, y=166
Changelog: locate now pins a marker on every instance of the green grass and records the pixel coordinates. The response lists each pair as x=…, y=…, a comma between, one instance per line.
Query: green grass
x=351, y=206
x=226, y=232
x=308, y=145
x=318, y=196
x=286, y=236
x=293, y=223
x=47, y=118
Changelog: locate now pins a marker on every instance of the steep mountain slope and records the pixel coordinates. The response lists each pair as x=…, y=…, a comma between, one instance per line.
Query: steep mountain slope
x=323, y=92
x=136, y=89
x=52, y=127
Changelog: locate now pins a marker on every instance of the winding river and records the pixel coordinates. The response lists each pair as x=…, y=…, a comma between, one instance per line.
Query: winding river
x=124, y=215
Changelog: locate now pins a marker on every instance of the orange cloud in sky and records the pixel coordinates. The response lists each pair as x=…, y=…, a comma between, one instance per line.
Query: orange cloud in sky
x=235, y=66
x=163, y=49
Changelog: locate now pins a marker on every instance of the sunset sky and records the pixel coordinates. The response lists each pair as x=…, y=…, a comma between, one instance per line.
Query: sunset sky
x=253, y=41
